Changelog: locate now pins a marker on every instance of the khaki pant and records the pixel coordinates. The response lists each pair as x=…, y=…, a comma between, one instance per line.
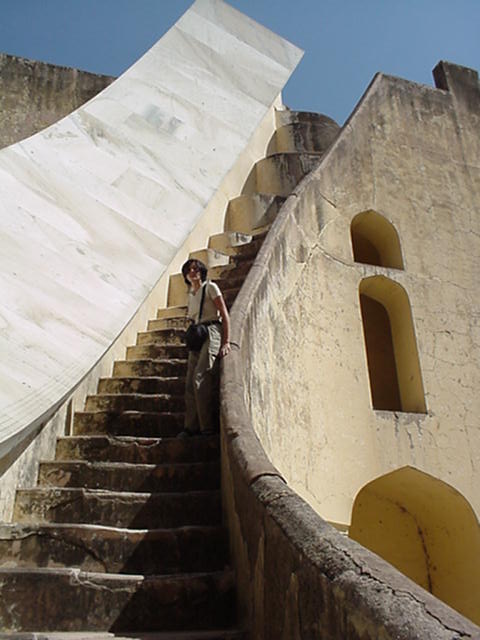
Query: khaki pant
x=201, y=386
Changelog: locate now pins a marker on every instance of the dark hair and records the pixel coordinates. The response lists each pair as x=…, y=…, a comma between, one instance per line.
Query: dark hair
x=199, y=264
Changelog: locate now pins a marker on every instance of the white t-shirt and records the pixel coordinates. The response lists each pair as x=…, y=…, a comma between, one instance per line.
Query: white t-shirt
x=209, y=311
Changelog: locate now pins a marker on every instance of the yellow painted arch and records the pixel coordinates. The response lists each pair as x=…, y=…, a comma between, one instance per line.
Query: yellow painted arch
x=427, y=530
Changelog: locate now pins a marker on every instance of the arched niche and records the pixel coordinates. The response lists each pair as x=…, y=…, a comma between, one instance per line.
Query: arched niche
x=375, y=241
x=427, y=530
x=392, y=355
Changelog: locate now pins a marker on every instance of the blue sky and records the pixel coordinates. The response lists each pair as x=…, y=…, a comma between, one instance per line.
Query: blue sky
x=345, y=41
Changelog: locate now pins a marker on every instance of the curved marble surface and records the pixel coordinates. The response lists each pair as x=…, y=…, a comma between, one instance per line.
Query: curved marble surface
x=93, y=209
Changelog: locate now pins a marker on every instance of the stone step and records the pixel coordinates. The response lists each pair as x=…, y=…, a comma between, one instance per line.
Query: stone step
x=138, y=450
x=73, y=600
x=129, y=423
x=162, y=336
x=211, y=258
x=113, y=550
x=209, y=634
x=117, y=508
x=247, y=212
x=232, y=281
x=156, y=352
x=305, y=137
x=120, y=402
x=123, y=476
x=280, y=173
x=174, y=385
x=179, y=311
x=287, y=116
x=227, y=241
x=151, y=367
x=249, y=250
x=167, y=323
x=302, y=131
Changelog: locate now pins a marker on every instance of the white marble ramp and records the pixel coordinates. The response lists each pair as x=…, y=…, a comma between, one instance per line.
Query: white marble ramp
x=93, y=209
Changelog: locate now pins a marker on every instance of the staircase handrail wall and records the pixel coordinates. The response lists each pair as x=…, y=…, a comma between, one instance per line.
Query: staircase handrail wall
x=297, y=576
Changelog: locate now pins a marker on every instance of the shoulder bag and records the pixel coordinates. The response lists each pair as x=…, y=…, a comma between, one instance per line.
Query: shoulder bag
x=197, y=333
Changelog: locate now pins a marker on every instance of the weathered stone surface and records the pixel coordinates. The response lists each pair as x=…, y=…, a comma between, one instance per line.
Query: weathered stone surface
x=211, y=634
x=248, y=212
x=173, y=336
x=113, y=550
x=34, y=95
x=148, y=367
x=117, y=509
x=138, y=450
x=73, y=600
x=404, y=154
x=304, y=131
x=280, y=173
x=156, y=352
x=130, y=477
x=174, y=385
x=128, y=423
x=119, y=402
x=157, y=324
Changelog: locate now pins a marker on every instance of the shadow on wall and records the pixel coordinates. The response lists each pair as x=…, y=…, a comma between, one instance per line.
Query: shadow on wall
x=392, y=354
x=427, y=530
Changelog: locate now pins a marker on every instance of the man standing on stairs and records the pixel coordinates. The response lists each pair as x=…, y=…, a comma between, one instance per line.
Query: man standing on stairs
x=206, y=306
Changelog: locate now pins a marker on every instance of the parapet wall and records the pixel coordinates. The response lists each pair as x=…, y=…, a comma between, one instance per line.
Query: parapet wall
x=296, y=405
x=34, y=95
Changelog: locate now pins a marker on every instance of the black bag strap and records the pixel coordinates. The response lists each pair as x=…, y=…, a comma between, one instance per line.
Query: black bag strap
x=201, y=301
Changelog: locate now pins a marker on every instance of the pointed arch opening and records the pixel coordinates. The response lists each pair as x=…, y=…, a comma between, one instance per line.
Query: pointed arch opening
x=427, y=530
x=391, y=348
x=375, y=241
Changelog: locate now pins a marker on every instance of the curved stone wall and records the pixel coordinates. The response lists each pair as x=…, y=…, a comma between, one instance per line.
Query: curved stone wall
x=34, y=95
x=296, y=392
x=403, y=155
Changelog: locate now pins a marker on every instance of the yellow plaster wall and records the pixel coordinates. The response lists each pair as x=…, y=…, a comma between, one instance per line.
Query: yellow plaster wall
x=404, y=155
x=427, y=530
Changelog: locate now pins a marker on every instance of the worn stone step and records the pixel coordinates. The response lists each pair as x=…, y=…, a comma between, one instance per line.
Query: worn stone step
x=209, y=634
x=123, y=476
x=161, y=336
x=114, y=550
x=302, y=131
x=151, y=367
x=135, y=402
x=73, y=600
x=211, y=258
x=174, y=385
x=227, y=241
x=243, y=264
x=138, y=450
x=247, y=212
x=167, y=323
x=280, y=173
x=156, y=352
x=129, y=423
x=232, y=281
x=249, y=250
x=305, y=138
x=117, y=509
x=179, y=311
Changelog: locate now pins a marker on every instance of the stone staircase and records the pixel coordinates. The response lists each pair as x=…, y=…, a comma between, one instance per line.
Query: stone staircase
x=123, y=533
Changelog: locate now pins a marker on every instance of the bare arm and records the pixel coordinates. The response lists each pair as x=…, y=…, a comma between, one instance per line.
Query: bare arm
x=225, y=348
